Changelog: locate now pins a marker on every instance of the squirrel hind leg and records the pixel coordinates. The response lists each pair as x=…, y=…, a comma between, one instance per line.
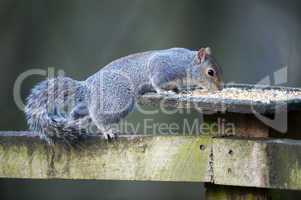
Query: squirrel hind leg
x=80, y=111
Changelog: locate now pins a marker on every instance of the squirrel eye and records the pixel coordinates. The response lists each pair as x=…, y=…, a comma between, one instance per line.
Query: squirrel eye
x=210, y=72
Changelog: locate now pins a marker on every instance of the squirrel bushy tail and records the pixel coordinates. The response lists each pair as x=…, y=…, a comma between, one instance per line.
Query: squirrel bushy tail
x=49, y=106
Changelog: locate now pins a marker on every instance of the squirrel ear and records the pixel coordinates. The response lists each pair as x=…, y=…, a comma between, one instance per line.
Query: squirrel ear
x=202, y=54
x=208, y=50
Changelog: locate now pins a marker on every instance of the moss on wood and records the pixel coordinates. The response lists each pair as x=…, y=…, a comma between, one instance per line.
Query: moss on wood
x=160, y=158
x=266, y=163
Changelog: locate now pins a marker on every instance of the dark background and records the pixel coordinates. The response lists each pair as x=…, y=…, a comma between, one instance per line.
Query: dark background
x=250, y=39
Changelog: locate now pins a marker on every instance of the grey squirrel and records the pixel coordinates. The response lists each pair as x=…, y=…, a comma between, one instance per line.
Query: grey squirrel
x=63, y=109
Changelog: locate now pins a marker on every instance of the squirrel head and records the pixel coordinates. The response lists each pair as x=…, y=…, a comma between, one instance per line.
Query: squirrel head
x=208, y=72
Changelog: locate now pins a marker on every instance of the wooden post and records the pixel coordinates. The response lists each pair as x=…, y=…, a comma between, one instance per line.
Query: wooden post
x=246, y=126
x=216, y=192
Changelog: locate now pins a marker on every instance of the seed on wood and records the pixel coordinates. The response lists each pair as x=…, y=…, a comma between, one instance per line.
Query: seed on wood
x=250, y=94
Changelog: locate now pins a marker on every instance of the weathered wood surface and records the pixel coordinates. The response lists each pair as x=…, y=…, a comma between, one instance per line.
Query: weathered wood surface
x=270, y=163
x=215, y=105
x=160, y=158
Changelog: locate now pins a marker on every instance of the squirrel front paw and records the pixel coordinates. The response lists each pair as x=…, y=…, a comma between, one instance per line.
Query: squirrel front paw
x=110, y=136
x=166, y=92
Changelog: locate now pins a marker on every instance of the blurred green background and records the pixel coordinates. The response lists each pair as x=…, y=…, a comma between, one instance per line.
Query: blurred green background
x=250, y=39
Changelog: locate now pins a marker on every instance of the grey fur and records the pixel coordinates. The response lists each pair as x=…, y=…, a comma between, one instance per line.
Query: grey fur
x=63, y=109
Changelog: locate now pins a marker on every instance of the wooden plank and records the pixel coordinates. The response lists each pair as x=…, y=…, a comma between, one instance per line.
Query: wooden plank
x=270, y=163
x=158, y=158
x=273, y=163
x=240, y=162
